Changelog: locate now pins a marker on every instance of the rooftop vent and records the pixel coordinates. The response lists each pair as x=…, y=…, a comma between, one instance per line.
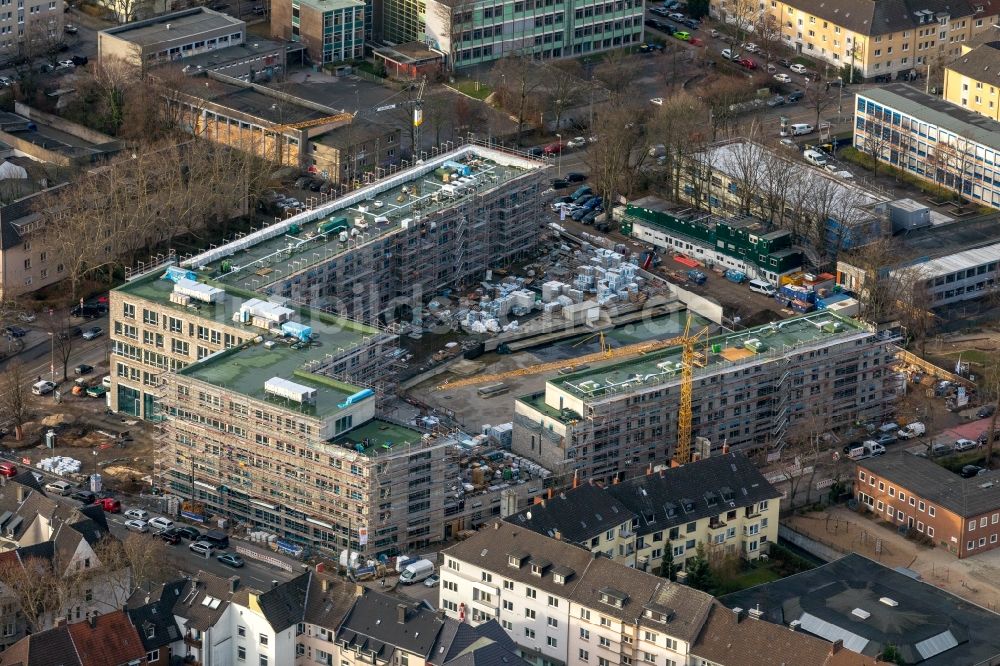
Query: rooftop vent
x=756, y=613
x=290, y=390
x=861, y=614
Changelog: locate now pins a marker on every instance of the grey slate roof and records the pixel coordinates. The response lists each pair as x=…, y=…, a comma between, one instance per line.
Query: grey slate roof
x=48, y=648
x=285, y=604
x=328, y=608
x=923, y=477
x=981, y=63
x=684, y=494
x=578, y=515
x=372, y=625
x=155, y=623
x=880, y=17
x=923, y=624
x=596, y=582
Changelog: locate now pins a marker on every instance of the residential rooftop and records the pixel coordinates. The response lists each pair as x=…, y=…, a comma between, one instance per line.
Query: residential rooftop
x=935, y=111
x=982, y=63
x=719, y=352
x=372, y=214
x=869, y=606
x=966, y=497
x=378, y=436
x=174, y=27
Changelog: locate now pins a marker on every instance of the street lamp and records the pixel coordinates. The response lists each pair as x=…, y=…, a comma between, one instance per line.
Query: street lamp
x=840, y=99
x=559, y=156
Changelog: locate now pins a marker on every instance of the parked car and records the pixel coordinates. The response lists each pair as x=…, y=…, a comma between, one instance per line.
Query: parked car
x=230, y=559
x=70, y=29
x=777, y=100
x=554, y=148
x=912, y=430
x=201, y=548
x=682, y=35
x=92, y=333
x=730, y=54
x=887, y=438
x=26, y=317
x=965, y=444
x=137, y=514
x=694, y=24
x=84, y=496
x=969, y=471
x=189, y=533
x=558, y=184
x=659, y=11
x=432, y=581
x=938, y=450
x=43, y=387
x=781, y=77
x=58, y=488
x=785, y=62
x=87, y=311
x=137, y=525
x=63, y=65
x=985, y=411
x=171, y=537
x=658, y=101
x=576, y=142
x=15, y=331
x=798, y=69
x=794, y=96
x=83, y=369
x=71, y=332
x=109, y=504
x=676, y=16
x=8, y=469
x=574, y=177
x=160, y=524
x=750, y=47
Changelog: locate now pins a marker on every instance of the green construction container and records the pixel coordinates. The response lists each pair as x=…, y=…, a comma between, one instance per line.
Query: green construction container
x=333, y=225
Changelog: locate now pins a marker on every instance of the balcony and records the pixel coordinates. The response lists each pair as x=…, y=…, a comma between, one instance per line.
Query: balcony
x=716, y=524
x=191, y=641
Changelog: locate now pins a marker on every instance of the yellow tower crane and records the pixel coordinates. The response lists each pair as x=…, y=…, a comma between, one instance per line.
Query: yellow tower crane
x=305, y=124
x=690, y=358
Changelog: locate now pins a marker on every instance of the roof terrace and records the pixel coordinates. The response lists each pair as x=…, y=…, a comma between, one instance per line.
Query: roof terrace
x=763, y=342
x=369, y=215
x=378, y=437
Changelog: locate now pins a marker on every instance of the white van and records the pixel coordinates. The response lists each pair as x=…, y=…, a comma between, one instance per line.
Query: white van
x=912, y=430
x=43, y=387
x=797, y=129
x=416, y=572
x=762, y=287
x=814, y=157
x=58, y=488
x=160, y=524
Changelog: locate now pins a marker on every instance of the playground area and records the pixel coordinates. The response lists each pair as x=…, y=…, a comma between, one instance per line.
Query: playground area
x=976, y=579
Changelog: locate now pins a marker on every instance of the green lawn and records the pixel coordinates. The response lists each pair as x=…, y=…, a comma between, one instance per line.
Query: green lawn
x=757, y=575
x=476, y=89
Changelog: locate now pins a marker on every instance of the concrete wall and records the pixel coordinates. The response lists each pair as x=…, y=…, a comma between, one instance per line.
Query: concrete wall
x=811, y=546
x=63, y=125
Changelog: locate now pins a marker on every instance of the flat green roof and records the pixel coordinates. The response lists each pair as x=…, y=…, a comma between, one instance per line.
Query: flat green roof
x=331, y=5
x=246, y=369
x=377, y=436
x=333, y=331
x=734, y=347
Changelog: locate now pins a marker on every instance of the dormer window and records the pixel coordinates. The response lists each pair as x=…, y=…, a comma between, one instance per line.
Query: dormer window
x=516, y=559
x=536, y=570
x=538, y=566
x=561, y=574
x=558, y=578
x=613, y=597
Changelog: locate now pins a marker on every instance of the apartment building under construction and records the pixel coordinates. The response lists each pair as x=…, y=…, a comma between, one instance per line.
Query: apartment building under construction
x=752, y=389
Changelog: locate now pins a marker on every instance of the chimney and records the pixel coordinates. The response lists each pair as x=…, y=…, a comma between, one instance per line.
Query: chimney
x=234, y=582
x=837, y=646
x=401, y=613
x=537, y=500
x=321, y=567
x=649, y=470
x=325, y=584
x=22, y=493
x=557, y=535
x=550, y=493
x=93, y=620
x=737, y=614
x=576, y=478
x=274, y=584
x=614, y=482
x=725, y=448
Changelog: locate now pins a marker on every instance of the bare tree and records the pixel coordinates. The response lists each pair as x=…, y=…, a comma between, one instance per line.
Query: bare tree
x=615, y=161
x=130, y=562
x=681, y=125
x=563, y=89
x=777, y=176
x=744, y=15
x=518, y=79
x=877, y=287
x=990, y=388
x=14, y=397
x=768, y=36
x=40, y=587
x=952, y=165
x=58, y=328
x=743, y=164
x=876, y=142
x=818, y=96
x=617, y=72
x=723, y=97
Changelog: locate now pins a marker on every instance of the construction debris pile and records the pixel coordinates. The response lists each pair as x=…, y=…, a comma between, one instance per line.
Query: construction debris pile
x=495, y=470
x=60, y=465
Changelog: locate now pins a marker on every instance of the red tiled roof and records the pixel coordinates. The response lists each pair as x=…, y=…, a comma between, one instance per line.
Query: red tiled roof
x=112, y=640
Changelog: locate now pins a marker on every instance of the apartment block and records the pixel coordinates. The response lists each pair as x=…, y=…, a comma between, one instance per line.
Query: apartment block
x=723, y=502
x=170, y=37
x=32, y=29
x=971, y=80
x=332, y=31
x=481, y=31
x=880, y=39
x=938, y=141
x=959, y=515
x=959, y=277
x=750, y=388
x=564, y=605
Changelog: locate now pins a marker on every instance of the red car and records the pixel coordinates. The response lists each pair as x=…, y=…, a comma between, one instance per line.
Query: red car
x=748, y=63
x=8, y=469
x=554, y=148
x=109, y=504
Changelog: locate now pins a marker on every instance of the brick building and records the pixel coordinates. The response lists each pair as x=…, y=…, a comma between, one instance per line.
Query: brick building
x=962, y=515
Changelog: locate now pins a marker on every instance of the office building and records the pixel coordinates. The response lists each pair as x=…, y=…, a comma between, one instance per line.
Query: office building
x=750, y=388
x=562, y=604
x=938, y=141
x=875, y=37
x=741, y=244
x=739, y=177
x=973, y=79
x=960, y=515
x=483, y=31
x=723, y=502
x=865, y=606
x=170, y=37
x=332, y=31
x=346, y=153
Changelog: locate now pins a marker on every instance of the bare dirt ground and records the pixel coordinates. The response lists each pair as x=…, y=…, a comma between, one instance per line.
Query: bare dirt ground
x=976, y=579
